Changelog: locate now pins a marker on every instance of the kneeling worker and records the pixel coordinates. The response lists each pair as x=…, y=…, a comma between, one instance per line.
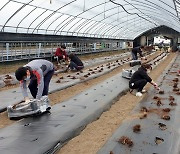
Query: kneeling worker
x=140, y=78
x=61, y=54
x=39, y=73
x=75, y=63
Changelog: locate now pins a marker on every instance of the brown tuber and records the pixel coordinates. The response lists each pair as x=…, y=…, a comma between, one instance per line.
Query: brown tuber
x=175, y=85
x=143, y=116
x=8, y=77
x=171, y=98
x=162, y=126
x=165, y=117
x=144, y=109
x=137, y=128
x=175, y=79
x=161, y=92
x=61, y=77
x=159, y=103
x=58, y=81
x=126, y=141
x=158, y=140
x=175, y=89
x=178, y=93
x=167, y=110
x=172, y=104
x=155, y=97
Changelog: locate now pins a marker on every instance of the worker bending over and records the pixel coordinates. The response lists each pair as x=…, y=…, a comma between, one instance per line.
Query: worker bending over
x=137, y=50
x=39, y=73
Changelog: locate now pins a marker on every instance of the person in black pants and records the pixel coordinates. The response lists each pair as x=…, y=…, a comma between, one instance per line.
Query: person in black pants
x=75, y=63
x=37, y=74
x=140, y=78
x=137, y=50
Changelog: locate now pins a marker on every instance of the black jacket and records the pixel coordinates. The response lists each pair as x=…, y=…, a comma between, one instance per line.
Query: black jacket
x=137, y=50
x=140, y=74
x=76, y=60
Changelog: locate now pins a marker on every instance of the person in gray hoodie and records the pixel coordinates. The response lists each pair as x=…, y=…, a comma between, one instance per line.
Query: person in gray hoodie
x=38, y=73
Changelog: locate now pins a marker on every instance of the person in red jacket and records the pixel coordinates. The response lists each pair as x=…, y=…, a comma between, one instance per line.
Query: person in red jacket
x=61, y=54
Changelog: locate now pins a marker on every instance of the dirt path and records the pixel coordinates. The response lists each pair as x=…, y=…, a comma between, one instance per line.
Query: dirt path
x=94, y=136
x=65, y=94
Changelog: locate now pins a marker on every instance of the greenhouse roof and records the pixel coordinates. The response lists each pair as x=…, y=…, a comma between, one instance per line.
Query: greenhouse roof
x=117, y=19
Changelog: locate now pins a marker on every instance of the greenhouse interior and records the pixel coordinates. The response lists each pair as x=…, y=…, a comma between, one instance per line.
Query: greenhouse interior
x=90, y=76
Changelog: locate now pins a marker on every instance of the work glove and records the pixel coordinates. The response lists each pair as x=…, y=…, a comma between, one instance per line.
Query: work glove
x=143, y=58
x=27, y=100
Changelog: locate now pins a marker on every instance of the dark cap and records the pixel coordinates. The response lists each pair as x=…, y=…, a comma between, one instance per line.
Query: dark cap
x=63, y=46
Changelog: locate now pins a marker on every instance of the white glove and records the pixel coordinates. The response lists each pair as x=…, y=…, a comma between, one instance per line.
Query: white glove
x=143, y=58
x=27, y=100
